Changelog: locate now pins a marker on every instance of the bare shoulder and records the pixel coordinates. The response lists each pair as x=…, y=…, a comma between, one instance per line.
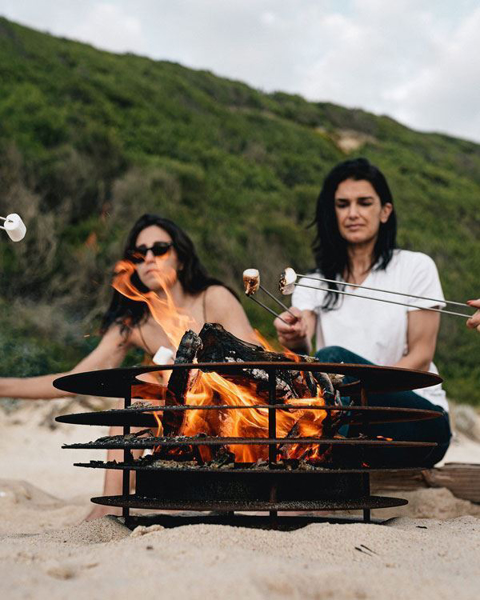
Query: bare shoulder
x=224, y=308
x=219, y=300
x=219, y=294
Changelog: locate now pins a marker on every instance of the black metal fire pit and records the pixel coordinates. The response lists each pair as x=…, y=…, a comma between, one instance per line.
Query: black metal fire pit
x=276, y=485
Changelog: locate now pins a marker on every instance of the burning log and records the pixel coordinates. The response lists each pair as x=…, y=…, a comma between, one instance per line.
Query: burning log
x=214, y=344
x=218, y=345
x=179, y=379
x=178, y=383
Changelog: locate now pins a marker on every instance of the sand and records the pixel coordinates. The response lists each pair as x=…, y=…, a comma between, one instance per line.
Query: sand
x=48, y=551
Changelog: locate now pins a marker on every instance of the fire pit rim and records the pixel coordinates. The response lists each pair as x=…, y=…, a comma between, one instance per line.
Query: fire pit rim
x=108, y=417
x=118, y=382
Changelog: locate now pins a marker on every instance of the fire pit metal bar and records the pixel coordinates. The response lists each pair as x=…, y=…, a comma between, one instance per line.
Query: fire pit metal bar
x=366, y=491
x=272, y=433
x=127, y=458
x=272, y=416
x=366, y=476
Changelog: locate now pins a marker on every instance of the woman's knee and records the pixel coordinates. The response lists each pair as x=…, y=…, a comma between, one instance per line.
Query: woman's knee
x=333, y=354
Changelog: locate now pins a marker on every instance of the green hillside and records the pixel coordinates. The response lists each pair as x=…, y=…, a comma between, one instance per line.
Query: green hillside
x=90, y=140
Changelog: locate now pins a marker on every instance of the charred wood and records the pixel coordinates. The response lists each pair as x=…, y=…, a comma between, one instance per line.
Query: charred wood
x=179, y=381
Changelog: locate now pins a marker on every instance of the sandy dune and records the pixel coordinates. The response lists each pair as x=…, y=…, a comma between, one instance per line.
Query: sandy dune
x=46, y=550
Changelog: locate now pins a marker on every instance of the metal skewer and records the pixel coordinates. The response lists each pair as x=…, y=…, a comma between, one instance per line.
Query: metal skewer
x=439, y=310
x=272, y=312
x=364, y=287
x=278, y=302
x=251, y=282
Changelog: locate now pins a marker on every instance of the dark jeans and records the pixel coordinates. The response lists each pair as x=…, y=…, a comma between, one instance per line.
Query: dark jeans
x=432, y=430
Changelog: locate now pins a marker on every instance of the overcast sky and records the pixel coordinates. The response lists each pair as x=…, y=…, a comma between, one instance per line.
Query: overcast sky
x=415, y=60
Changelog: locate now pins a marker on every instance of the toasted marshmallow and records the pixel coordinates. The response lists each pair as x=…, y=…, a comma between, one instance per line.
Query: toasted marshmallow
x=251, y=281
x=287, y=281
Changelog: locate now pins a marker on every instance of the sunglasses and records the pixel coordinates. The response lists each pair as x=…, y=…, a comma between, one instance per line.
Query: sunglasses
x=138, y=255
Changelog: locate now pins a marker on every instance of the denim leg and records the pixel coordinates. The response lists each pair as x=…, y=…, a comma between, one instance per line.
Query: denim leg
x=432, y=430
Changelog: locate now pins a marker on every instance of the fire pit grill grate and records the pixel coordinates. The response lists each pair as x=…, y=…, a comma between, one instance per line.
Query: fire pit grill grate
x=270, y=487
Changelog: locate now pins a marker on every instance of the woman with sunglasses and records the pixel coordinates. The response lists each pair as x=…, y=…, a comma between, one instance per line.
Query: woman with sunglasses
x=154, y=245
x=165, y=262
x=158, y=247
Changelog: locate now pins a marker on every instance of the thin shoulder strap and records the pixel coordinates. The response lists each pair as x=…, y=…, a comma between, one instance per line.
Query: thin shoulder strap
x=144, y=341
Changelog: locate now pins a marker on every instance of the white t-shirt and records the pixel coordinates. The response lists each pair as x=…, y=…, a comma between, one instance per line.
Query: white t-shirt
x=374, y=330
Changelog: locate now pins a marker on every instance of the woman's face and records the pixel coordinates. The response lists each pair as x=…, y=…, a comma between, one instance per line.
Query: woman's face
x=155, y=272
x=359, y=211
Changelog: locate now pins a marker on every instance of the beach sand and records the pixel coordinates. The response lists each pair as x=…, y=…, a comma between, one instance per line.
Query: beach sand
x=429, y=549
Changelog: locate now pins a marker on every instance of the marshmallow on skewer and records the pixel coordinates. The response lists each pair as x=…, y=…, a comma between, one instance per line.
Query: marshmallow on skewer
x=287, y=281
x=15, y=227
x=163, y=356
x=251, y=281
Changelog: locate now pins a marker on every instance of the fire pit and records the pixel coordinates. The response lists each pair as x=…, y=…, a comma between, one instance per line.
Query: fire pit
x=177, y=477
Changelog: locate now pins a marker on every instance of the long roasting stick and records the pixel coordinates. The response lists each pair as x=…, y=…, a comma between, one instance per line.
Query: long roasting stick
x=272, y=312
x=284, y=306
x=251, y=282
x=364, y=287
x=439, y=310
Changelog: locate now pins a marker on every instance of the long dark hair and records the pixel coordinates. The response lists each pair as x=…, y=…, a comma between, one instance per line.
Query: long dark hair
x=192, y=275
x=330, y=249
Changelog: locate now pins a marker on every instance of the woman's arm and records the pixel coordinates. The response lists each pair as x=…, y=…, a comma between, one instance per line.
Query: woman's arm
x=422, y=331
x=109, y=353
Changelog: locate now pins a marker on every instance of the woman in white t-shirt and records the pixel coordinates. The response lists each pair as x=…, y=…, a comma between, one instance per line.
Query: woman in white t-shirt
x=355, y=243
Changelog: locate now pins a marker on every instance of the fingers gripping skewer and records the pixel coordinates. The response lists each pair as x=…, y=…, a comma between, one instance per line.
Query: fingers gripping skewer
x=288, y=282
x=251, y=282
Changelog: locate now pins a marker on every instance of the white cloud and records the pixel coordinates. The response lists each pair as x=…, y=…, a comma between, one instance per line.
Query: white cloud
x=445, y=90
x=416, y=60
x=110, y=27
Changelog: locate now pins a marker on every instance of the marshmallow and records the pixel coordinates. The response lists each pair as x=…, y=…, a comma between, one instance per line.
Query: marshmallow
x=251, y=281
x=163, y=356
x=15, y=227
x=287, y=281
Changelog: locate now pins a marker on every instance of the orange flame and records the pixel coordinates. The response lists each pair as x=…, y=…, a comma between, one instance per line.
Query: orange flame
x=174, y=321
x=213, y=389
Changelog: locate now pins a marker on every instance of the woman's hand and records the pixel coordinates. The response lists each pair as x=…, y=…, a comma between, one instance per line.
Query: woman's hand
x=474, y=321
x=295, y=332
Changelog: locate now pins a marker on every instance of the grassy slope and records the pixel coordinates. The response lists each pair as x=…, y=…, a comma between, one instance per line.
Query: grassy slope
x=90, y=140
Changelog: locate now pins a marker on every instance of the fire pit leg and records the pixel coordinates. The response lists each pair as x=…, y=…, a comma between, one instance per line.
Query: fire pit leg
x=272, y=433
x=366, y=476
x=366, y=489
x=127, y=457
